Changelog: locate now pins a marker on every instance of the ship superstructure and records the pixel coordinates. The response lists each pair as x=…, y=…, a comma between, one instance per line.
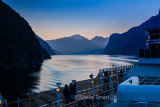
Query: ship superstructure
x=151, y=53
x=141, y=89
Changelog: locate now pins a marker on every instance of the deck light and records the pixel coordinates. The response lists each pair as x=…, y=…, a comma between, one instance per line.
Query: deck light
x=92, y=82
x=91, y=76
x=103, y=74
x=0, y=102
x=125, y=70
x=57, y=89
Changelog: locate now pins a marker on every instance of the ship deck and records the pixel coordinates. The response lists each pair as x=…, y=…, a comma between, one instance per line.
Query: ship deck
x=147, y=81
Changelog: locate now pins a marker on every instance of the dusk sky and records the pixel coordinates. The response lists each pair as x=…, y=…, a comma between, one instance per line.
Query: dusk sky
x=52, y=19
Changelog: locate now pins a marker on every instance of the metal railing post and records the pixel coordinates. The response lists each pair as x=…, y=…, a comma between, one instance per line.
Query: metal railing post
x=104, y=99
x=86, y=83
x=76, y=104
x=98, y=101
x=18, y=101
x=81, y=88
x=58, y=90
x=84, y=102
x=6, y=103
x=102, y=79
x=48, y=98
x=39, y=100
x=110, y=78
x=92, y=92
x=92, y=88
x=56, y=96
x=29, y=94
x=113, y=90
x=124, y=75
x=117, y=77
x=29, y=99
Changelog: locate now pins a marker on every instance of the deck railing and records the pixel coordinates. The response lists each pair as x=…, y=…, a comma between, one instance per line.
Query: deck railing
x=104, y=86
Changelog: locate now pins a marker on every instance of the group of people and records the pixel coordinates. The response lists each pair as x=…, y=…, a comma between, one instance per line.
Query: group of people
x=69, y=92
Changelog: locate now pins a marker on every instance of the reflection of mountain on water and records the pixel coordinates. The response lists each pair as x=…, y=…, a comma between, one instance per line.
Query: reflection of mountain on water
x=17, y=82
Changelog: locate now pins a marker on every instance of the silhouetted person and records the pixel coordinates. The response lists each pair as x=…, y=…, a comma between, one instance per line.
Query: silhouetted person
x=66, y=93
x=72, y=91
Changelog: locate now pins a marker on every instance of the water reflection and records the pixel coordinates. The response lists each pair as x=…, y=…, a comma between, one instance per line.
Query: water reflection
x=14, y=83
x=64, y=68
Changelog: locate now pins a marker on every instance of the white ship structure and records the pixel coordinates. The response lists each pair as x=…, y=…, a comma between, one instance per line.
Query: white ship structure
x=142, y=88
x=151, y=53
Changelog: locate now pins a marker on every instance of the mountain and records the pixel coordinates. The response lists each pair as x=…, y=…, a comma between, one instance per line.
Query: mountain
x=78, y=37
x=131, y=41
x=45, y=45
x=100, y=40
x=18, y=45
x=76, y=44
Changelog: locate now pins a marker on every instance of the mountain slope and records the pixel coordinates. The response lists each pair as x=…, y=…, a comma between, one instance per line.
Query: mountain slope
x=18, y=44
x=130, y=41
x=100, y=40
x=75, y=44
x=78, y=37
x=45, y=45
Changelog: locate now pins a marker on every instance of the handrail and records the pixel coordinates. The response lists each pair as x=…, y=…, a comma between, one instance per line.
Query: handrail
x=88, y=88
x=85, y=99
x=118, y=67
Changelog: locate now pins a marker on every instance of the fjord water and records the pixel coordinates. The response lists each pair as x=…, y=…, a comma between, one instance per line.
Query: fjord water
x=64, y=68
x=61, y=68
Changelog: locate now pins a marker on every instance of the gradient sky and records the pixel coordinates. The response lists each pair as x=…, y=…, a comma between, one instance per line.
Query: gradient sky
x=51, y=19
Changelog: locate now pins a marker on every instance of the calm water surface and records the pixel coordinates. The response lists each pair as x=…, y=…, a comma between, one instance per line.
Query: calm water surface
x=64, y=68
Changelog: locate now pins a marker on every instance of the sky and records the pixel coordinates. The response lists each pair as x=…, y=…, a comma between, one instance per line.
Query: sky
x=52, y=19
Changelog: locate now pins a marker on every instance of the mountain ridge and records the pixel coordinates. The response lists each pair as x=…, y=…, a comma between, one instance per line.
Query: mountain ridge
x=79, y=37
x=18, y=44
x=129, y=42
x=99, y=40
x=75, y=44
x=45, y=45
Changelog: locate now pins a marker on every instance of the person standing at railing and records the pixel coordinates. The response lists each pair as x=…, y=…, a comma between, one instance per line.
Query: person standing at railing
x=66, y=94
x=72, y=91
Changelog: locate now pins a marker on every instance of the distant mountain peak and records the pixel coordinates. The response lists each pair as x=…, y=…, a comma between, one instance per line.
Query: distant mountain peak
x=98, y=37
x=77, y=36
x=100, y=40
